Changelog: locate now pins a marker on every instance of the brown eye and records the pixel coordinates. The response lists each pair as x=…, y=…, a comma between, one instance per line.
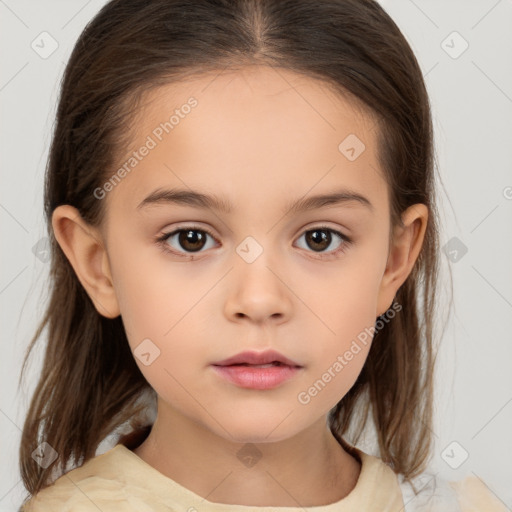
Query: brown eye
x=191, y=240
x=318, y=239
x=321, y=238
x=185, y=241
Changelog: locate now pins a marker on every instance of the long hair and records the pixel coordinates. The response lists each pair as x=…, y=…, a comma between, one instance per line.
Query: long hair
x=90, y=383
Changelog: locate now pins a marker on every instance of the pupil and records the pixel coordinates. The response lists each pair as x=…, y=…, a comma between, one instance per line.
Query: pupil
x=191, y=240
x=319, y=236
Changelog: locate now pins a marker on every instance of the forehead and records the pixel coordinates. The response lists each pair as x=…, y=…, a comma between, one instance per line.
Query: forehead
x=258, y=133
x=256, y=97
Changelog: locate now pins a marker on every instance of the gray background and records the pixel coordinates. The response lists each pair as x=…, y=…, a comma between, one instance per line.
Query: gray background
x=471, y=93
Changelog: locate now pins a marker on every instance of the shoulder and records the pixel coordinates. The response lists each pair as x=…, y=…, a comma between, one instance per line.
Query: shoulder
x=96, y=485
x=430, y=493
x=475, y=495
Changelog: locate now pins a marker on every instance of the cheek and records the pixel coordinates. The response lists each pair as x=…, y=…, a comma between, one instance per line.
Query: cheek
x=163, y=311
x=346, y=307
x=151, y=292
x=345, y=300
x=339, y=357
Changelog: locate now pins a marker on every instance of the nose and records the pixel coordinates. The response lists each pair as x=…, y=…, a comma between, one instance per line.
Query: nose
x=257, y=292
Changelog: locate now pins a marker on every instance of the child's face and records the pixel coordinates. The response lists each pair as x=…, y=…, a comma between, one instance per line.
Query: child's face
x=260, y=140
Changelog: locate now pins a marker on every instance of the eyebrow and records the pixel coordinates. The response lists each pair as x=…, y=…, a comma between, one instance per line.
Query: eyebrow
x=212, y=202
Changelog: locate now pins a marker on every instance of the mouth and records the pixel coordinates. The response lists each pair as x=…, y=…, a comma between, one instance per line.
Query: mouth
x=266, y=365
x=257, y=370
x=254, y=359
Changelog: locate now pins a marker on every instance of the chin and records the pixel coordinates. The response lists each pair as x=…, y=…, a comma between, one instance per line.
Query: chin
x=257, y=430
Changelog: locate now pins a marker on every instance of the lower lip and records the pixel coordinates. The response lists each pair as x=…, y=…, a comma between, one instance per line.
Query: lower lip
x=257, y=378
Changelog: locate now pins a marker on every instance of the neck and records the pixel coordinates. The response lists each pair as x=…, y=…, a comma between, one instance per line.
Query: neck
x=308, y=469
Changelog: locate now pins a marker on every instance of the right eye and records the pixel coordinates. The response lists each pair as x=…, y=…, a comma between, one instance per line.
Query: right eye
x=189, y=238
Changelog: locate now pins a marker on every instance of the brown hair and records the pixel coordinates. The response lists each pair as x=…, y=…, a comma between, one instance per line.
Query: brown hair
x=90, y=383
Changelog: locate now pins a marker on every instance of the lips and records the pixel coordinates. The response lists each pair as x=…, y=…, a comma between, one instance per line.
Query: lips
x=257, y=370
x=265, y=359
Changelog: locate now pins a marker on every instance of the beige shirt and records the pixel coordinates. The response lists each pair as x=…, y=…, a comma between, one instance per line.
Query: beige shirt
x=120, y=481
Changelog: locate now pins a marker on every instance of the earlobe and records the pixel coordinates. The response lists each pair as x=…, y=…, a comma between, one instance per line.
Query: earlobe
x=406, y=247
x=83, y=247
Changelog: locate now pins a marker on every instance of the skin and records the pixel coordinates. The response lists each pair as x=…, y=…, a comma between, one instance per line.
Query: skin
x=260, y=138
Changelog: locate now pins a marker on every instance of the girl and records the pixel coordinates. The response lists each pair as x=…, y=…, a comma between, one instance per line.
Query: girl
x=240, y=199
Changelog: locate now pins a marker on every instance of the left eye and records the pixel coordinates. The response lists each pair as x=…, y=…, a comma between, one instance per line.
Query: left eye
x=321, y=238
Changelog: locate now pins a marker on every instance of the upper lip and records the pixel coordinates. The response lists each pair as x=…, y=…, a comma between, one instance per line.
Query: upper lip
x=252, y=357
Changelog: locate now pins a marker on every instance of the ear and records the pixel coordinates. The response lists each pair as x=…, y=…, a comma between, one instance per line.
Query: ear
x=82, y=244
x=405, y=248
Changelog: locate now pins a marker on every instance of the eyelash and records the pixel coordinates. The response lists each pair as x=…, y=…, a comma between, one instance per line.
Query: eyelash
x=162, y=241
